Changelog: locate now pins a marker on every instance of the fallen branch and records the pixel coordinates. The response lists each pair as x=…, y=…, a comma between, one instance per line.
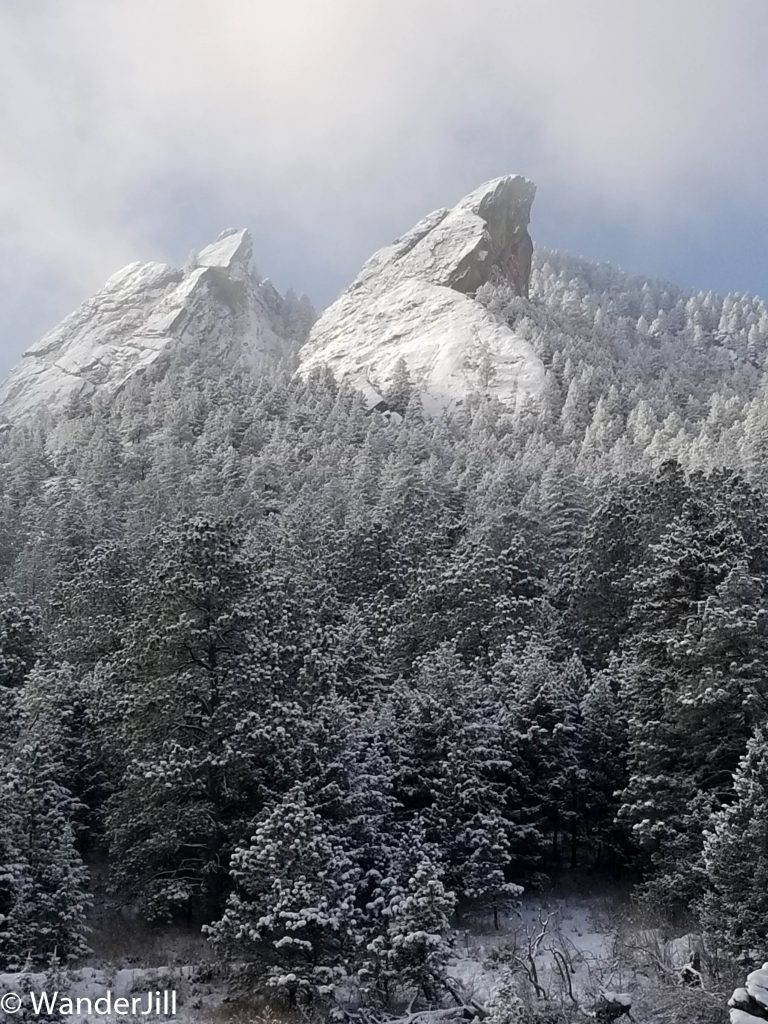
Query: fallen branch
x=471, y=1007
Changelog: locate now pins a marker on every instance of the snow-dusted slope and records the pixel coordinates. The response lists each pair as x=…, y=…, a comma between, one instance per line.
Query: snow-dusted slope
x=413, y=300
x=141, y=311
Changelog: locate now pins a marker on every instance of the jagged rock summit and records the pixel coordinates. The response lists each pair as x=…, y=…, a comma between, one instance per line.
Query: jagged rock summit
x=413, y=300
x=141, y=311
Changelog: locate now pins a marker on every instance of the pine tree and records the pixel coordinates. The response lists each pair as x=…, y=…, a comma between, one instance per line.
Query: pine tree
x=20, y=639
x=44, y=885
x=545, y=711
x=474, y=598
x=723, y=656
x=92, y=609
x=293, y=909
x=416, y=945
x=58, y=708
x=456, y=777
x=735, y=905
x=633, y=515
x=400, y=389
x=564, y=511
x=210, y=646
x=601, y=756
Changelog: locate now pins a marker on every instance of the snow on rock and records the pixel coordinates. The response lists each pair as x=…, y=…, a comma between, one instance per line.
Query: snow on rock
x=140, y=312
x=618, y=998
x=413, y=300
x=445, y=338
x=757, y=985
x=230, y=249
x=485, y=234
x=749, y=1005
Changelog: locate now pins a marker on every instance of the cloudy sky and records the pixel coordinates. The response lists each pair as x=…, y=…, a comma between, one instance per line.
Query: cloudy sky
x=138, y=129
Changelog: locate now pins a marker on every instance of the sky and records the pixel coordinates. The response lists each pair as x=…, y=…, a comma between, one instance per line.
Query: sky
x=139, y=129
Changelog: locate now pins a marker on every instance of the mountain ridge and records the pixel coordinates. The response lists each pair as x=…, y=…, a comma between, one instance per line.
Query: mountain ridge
x=461, y=303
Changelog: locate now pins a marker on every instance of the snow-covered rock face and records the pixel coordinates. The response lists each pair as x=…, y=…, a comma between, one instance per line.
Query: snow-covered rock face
x=141, y=311
x=749, y=1005
x=413, y=300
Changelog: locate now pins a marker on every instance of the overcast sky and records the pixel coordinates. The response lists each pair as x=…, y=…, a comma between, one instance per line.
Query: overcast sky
x=139, y=129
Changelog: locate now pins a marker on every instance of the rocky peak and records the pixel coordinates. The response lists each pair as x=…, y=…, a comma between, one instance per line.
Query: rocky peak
x=413, y=300
x=484, y=237
x=140, y=312
x=231, y=251
x=505, y=249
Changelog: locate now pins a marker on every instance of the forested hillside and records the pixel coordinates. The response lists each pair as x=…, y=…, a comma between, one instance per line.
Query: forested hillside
x=314, y=678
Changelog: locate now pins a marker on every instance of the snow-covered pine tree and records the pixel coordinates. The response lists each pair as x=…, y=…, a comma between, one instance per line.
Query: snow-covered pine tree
x=210, y=643
x=292, y=912
x=734, y=908
x=601, y=741
x=722, y=658
x=456, y=777
x=563, y=505
x=663, y=802
x=398, y=392
x=44, y=885
x=415, y=946
x=20, y=639
x=544, y=702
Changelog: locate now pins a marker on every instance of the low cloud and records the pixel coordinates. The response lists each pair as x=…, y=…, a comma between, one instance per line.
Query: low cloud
x=129, y=128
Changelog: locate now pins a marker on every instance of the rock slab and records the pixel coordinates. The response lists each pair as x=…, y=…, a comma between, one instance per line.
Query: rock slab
x=140, y=312
x=414, y=301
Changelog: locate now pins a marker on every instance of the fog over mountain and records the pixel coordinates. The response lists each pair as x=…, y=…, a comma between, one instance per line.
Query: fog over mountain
x=327, y=129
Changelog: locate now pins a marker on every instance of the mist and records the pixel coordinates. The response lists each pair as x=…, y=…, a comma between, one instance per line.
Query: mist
x=138, y=131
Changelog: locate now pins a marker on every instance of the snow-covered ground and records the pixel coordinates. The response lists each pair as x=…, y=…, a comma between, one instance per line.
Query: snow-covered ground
x=563, y=948
x=184, y=994
x=570, y=949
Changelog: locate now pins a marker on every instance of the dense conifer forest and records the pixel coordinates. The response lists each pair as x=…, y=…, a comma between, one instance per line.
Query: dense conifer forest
x=318, y=680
